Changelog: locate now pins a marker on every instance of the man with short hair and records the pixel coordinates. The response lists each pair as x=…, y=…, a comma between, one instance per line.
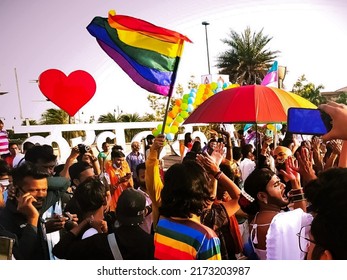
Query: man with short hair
x=22, y=216
x=134, y=159
x=120, y=176
x=44, y=157
x=14, y=150
x=79, y=172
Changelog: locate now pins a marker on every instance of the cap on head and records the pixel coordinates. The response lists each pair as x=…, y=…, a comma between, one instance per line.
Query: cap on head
x=131, y=207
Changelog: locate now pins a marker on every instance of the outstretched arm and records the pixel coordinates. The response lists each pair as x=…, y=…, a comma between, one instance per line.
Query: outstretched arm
x=154, y=183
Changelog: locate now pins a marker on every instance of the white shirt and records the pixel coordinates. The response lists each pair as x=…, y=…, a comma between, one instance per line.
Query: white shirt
x=246, y=166
x=17, y=159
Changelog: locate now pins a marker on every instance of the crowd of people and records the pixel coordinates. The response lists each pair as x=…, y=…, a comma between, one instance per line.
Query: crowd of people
x=273, y=199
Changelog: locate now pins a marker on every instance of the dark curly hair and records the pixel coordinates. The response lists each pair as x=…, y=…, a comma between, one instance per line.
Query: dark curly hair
x=255, y=182
x=329, y=202
x=186, y=190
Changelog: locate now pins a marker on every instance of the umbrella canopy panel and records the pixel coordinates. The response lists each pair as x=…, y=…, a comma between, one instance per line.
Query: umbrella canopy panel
x=248, y=104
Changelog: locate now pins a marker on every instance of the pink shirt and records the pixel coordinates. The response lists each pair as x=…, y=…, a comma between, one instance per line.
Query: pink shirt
x=4, y=143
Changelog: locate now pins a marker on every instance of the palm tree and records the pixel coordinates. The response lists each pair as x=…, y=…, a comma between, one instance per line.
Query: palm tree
x=131, y=118
x=248, y=60
x=58, y=116
x=31, y=122
x=130, y=133
x=109, y=118
x=55, y=116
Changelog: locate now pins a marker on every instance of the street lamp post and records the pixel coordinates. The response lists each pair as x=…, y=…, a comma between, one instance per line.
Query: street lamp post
x=19, y=97
x=205, y=23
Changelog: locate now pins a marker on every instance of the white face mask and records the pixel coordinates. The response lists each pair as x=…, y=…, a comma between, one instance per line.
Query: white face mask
x=4, y=182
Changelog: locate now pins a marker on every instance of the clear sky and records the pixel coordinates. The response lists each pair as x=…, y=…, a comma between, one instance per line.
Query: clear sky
x=38, y=35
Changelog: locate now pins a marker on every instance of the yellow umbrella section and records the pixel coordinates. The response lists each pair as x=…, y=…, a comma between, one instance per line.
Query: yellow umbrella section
x=289, y=99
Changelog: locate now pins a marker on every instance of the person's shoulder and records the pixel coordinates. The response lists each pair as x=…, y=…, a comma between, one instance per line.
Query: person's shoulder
x=216, y=216
x=58, y=183
x=202, y=229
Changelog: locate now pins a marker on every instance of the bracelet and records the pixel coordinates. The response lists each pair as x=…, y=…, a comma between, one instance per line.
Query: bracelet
x=296, y=191
x=218, y=175
x=299, y=200
x=298, y=197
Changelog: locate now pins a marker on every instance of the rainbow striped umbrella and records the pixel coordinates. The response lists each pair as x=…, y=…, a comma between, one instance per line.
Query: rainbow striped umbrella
x=248, y=104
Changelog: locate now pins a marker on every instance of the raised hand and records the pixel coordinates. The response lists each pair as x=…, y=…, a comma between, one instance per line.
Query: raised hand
x=291, y=171
x=158, y=143
x=208, y=162
x=26, y=207
x=336, y=146
x=218, y=153
x=306, y=165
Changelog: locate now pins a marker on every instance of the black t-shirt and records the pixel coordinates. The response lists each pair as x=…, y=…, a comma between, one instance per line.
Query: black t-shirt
x=133, y=242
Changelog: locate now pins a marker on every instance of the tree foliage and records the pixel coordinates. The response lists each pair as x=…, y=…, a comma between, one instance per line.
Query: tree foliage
x=158, y=104
x=248, y=59
x=55, y=116
x=342, y=98
x=109, y=118
x=309, y=91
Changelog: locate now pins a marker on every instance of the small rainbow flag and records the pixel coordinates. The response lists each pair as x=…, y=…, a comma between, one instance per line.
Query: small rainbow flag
x=271, y=76
x=149, y=54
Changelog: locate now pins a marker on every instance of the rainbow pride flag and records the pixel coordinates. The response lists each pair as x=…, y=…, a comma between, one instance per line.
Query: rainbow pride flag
x=271, y=77
x=149, y=54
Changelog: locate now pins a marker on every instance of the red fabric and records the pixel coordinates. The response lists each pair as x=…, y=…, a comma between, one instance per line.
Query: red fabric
x=235, y=232
x=141, y=25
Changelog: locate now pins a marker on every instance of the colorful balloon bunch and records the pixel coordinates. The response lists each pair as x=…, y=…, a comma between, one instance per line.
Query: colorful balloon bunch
x=278, y=126
x=185, y=105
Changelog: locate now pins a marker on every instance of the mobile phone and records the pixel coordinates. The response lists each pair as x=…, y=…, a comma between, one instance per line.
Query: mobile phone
x=308, y=121
x=17, y=192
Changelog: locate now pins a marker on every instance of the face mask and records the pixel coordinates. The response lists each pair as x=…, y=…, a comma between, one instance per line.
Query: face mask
x=4, y=182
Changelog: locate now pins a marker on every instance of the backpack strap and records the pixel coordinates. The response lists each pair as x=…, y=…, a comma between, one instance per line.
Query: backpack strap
x=114, y=246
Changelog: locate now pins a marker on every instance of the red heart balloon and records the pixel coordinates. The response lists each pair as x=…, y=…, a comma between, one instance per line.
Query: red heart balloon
x=69, y=93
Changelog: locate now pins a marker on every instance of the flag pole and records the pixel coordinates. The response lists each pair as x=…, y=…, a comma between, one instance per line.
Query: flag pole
x=172, y=85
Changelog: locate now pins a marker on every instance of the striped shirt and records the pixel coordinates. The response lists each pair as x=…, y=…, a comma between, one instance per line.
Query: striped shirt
x=4, y=143
x=185, y=240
